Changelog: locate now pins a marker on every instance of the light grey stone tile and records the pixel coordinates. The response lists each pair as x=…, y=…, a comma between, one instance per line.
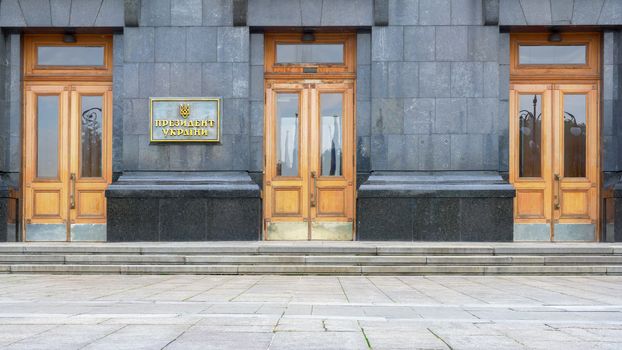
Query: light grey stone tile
x=586, y=11
x=117, y=50
x=611, y=13
x=363, y=48
x=491, y=79
x=139, y=44
x=233, y=44
x=170, y=44
x=511, y=13
x=431, y=152
x=419, y=115
x=84, y=13
x=162, y=80
x=387, y=116
x=419, y=43
x=240, y=80
x=537, y=12
x=217, y=79
x=60, y=10
x=483, y=43
x=363, y=82
x=504, y=48
x=311, y=12
x=434, y=12
x=257, y=118
x=561, y=11
x=482, y=115
x=11, y=14
x=474, y=152
x=146, y=79
x=256, y=154
x=360, y=13
x=186, y=79
x=403, y=12
x=111, y=14
x=36, y=12
x=379, y=79
x=155, y=13
x=387, y=43
x=403, y=79
x=274, y=13
x=130, y=80
x=235, y=116
x=452, y=43
x=504, y=82
x=187, y=13
x=257, y=83
x=201, y=44
x=450, y=116
x=434, y=79
x=467, y=79
x=257, y=49
x=466, y=12
x=363, y=118
x=217, y=12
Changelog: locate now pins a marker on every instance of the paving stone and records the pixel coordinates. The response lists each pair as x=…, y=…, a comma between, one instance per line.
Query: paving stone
x=318, y=340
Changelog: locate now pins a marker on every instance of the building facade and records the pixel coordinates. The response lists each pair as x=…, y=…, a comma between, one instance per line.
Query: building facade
x=194, y=120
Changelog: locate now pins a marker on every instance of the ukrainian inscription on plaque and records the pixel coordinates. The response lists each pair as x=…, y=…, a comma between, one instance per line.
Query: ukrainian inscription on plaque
x=185, y=119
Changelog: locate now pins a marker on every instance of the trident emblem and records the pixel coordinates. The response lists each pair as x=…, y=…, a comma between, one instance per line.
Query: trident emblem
x=184, y=110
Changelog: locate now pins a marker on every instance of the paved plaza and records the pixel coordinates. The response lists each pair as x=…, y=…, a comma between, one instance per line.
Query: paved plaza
x=309, y=312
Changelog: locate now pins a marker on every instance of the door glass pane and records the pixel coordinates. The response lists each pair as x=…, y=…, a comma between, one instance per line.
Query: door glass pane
x=70, y=55
x=530, y=133
x=331, y=134
x=552, y=54
x=91, y=136
x=575, y=117
x=47, y=136
x=309, y=53
x=287, y=134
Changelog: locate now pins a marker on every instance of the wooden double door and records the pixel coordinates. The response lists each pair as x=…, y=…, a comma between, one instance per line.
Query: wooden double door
x=309, y=181
x=67, y=160
x=554, y=161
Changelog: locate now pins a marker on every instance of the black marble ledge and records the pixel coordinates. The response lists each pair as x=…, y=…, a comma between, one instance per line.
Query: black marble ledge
x=184, y=185
x=436, y=184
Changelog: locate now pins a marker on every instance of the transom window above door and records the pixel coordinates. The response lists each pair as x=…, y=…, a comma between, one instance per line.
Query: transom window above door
x=50, y=55
x=569, y=56
x=310, y=53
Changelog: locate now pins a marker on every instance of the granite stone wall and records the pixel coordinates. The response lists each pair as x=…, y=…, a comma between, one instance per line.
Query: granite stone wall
x=186, y=49
x=435, y=88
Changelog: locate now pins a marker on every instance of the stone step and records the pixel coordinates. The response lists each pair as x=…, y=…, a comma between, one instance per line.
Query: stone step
x=354, y=260
x=317, y=248
x=311, y=269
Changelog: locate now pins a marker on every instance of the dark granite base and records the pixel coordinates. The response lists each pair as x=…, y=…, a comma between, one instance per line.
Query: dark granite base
x=8, y=215
x=612, y=207
x=183, y=207
x=438, y=207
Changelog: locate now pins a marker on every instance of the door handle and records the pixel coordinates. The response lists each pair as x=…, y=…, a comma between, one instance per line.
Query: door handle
x=314, y=191
x=72, y=195
x=557, y=180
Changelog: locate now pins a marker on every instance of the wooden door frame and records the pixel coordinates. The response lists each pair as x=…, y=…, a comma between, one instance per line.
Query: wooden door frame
x=296, y=74
x=69, y=77
x=553, y=76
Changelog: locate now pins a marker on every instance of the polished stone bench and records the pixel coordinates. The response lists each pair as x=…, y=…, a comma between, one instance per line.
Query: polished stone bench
x=435, y=206
x=183, y=206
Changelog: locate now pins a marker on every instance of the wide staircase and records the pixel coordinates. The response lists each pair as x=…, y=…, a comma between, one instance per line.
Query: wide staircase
x=313, y=258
